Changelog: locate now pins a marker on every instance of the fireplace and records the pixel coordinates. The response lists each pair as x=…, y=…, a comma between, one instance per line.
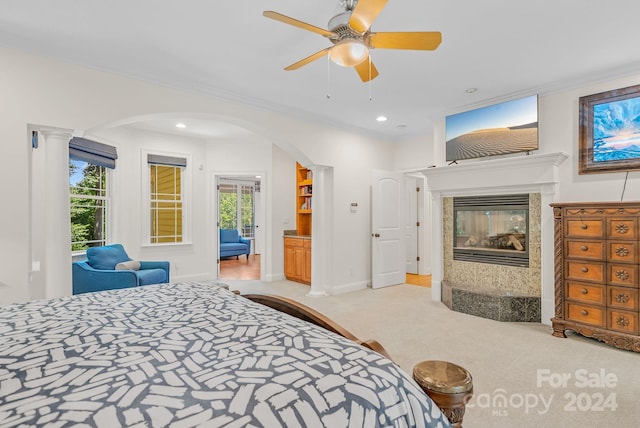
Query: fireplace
x=492, y=229
x=497, y=285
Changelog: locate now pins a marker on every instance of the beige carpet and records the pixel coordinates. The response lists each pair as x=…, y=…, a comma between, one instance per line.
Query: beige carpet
x=522, y=375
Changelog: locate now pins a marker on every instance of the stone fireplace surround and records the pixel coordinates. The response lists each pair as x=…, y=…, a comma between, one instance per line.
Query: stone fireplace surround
x=536, y=175
x=494, y=291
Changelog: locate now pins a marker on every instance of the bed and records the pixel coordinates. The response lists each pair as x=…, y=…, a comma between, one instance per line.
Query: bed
x=191, y=354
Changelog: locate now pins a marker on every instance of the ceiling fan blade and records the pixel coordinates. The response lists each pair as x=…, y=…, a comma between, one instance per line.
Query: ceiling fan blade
x=365, y=72
x=291, y=21
x=417, y=40
x=308, y=59
x=365, y=12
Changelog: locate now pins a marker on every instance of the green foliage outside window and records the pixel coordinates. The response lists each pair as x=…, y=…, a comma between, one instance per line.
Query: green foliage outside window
x=228, y=210
x=228, y=200
x=88, y=187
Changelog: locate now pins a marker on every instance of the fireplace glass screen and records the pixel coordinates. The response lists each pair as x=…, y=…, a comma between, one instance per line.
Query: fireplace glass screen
x=492, y=229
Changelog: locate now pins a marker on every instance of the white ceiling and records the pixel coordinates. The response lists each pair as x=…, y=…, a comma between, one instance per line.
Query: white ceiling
x=504, y=48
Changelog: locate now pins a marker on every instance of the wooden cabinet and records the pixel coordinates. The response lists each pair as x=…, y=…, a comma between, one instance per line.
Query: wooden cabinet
x=297, y=259
x=596, y=271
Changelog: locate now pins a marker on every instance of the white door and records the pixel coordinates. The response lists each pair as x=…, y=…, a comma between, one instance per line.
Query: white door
x=387, y=246
x=411, y=224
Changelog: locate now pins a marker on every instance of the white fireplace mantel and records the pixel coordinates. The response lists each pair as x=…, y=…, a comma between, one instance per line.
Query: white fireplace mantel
x=521, y=174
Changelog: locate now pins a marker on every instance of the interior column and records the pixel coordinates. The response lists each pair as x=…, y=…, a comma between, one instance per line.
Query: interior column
x=321, y=229
x=57, y=260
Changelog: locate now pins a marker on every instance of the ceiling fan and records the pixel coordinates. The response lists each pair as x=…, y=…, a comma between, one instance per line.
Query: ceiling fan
x=352, y=38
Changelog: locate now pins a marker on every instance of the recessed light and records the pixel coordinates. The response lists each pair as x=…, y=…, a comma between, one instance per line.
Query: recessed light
x=181, y=125
x=381, y=118
x=471, y=90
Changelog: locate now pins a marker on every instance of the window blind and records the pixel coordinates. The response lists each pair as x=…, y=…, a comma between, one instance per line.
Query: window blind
x=93, y=152
x=166, y=160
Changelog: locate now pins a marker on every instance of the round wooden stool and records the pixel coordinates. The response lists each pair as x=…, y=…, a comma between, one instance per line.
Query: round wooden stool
x=449, y=386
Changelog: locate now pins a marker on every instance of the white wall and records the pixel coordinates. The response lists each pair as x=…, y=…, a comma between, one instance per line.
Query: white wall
x=43, y=92
x=414, y=154
x=282, y=188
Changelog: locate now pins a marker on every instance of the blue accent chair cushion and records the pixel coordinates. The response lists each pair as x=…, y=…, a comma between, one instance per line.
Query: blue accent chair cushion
x=99, y=273
x=107, y=257
x=232, y=244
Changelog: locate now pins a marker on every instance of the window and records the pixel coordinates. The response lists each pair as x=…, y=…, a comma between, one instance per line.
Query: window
x=166, y=199
x=89, y=163
x=236, y=206
x=89, y=204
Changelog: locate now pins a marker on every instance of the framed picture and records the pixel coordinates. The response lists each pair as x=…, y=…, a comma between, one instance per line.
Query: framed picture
x=610, y=131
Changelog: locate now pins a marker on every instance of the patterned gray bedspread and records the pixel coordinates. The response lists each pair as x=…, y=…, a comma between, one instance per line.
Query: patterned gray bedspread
x=191, y=354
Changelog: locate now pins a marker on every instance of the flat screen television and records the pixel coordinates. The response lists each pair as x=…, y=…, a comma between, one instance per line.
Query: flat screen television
x=499, y=129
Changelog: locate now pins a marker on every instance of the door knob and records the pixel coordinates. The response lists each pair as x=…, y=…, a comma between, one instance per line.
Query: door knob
x=375, y=235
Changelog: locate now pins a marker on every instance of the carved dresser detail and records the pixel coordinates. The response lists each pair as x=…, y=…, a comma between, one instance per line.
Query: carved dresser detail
x=597, y=258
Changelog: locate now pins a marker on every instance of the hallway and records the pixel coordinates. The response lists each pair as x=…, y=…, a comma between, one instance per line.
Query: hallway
x=230, y=268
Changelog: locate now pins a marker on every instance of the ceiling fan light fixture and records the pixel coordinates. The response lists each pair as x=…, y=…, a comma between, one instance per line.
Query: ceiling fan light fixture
x=349, y=53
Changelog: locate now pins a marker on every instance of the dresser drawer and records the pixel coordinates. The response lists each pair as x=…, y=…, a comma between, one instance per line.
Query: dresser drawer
x=577, y=227
x=624, y=321
x=622, y=274
x=585, y=271
x=586, y=293
x=622, y=228
x=622, y=298
x=622, y=251
x=591, y=250
x=585, y=314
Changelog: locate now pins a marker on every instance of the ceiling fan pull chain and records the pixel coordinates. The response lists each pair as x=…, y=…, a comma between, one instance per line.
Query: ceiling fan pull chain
x=370, y=79
x=328, y=77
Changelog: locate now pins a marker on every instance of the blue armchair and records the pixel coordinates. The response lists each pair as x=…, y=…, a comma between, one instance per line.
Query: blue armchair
x=109, y=268
x=232, y=244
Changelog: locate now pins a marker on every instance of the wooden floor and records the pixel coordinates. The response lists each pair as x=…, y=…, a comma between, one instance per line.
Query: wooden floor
x=250, y=269
x=230, y=268
x=421, y=280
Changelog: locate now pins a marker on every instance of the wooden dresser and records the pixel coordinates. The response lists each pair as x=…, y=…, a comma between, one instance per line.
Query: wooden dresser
x=596, y=271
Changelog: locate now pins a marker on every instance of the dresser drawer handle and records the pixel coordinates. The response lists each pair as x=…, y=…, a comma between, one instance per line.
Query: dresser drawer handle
x=622, y=252
x=622, y=321
x=584, y=291
x=622, y=275
x=622, y=228
x=622, y=298
x=584, y=248
x=584, y=312
x=584, y=226
x=585, y=269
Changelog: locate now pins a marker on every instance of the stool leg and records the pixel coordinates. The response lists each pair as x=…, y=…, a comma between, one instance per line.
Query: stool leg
x=449, y=386
x=452, y=405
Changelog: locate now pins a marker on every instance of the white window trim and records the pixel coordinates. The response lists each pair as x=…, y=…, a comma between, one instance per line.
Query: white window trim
x=146, y=202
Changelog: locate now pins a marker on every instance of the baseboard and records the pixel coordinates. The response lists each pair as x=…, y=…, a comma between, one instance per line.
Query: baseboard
x=347, y=288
